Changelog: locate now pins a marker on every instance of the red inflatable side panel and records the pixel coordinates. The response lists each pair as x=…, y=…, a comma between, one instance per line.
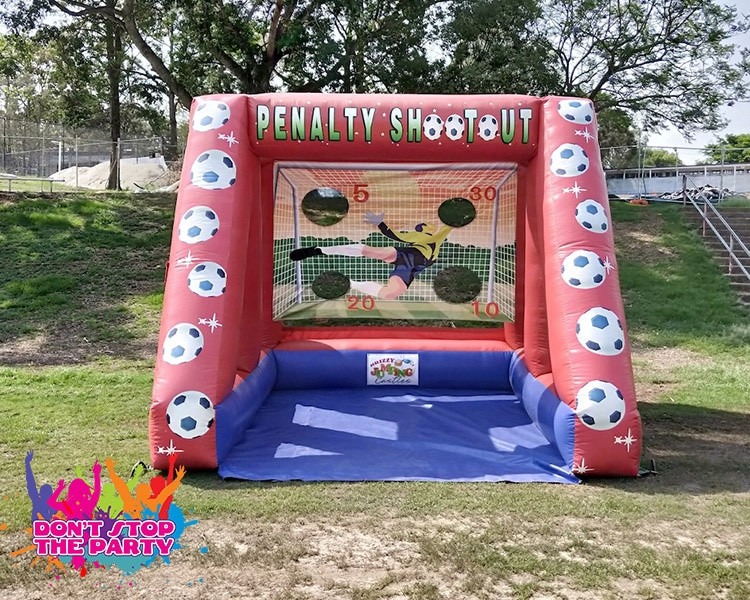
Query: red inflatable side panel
x=199, y=337
x=535, y=333
x=589, y=349
x=250, y=325
x=271, y=331
x=513, y=330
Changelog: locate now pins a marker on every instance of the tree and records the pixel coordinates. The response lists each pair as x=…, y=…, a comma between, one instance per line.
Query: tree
x=77, y=75
x=493, y=46
x=734, y=148
x=618, y=139
x=123, y=18
x=658, y=157
x=669, y=61
x=359, y=46
x=266, y=45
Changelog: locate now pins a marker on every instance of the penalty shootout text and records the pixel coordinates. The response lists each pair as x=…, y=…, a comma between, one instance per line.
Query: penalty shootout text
x=335, y=124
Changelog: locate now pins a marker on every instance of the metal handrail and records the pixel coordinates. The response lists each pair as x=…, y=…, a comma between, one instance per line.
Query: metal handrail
x=734, y=239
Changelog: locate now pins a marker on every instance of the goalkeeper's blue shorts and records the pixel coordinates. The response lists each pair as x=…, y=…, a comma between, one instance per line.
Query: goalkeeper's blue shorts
x=408, y=264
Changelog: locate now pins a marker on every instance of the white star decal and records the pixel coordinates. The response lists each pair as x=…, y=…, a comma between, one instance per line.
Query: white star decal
x=608, y=266
x=187, y=260
x=576, y=189
x=580, y=469
x=228, y=138
x=585, y=134
x=168, y=450
x=213, y=322
x=626, y=440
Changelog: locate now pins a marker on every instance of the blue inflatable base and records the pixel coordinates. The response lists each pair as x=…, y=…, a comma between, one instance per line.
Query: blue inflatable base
x=393, y=434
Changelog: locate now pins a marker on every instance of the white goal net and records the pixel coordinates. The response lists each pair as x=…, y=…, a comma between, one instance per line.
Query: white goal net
x=464, y=268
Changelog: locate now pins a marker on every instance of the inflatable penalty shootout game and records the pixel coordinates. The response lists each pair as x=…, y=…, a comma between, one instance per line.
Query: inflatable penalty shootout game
x=476, y=227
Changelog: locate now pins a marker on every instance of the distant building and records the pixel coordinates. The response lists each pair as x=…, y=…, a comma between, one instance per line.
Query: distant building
x=654, y=181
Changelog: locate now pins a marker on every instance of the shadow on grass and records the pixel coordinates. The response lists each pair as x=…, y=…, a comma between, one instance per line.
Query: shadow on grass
x=697, y=451
x=73, y=267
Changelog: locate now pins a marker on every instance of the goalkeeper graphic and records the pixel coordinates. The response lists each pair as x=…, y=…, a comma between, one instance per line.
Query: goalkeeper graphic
x=421, y=251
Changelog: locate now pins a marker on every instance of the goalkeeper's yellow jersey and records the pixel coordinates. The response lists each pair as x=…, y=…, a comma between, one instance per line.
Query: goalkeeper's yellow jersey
x=427, y=243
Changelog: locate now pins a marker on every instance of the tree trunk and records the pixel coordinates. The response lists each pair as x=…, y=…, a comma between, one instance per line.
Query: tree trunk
x=170, y=152
x=114, y=74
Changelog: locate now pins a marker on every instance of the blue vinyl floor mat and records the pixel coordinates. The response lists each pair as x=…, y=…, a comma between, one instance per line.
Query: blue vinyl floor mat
x=399, y=433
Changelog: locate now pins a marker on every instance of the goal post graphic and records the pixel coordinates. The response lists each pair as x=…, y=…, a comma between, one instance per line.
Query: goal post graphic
x=469, y=275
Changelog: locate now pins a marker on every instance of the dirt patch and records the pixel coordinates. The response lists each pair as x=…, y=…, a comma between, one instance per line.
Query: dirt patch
x=357, y=558
x=654, y=378
x=635, y=240
x=64, y=346
x=148, y=174
x=666, y=359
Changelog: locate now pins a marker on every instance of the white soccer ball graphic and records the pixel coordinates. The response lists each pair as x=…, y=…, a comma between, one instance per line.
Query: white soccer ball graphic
x=210, y=114
x=454, y=127
x=207, y=279
x=198, y=224
x=184, y=342
x=190, y=414
x=583, y=269
x=213, y=170
x=432, y=127
x=569, y=160
x=488, y=127
x=577, y=111
x=600, y=405
x=592, y=216
x=599, y=330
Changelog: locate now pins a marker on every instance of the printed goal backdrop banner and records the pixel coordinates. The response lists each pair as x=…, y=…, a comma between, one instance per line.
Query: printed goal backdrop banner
x=453, y=227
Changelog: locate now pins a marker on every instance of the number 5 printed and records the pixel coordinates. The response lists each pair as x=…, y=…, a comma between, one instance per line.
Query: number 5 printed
x=360, y=192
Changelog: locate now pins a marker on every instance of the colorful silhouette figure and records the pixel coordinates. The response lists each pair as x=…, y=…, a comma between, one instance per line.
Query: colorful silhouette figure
x=81, y=499
x=421, y=251
x=158, y=484
x=40, y=508
x=110, y=501
x=134, y=504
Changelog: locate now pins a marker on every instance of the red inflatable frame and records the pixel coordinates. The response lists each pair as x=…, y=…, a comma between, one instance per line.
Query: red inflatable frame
x=560, y=180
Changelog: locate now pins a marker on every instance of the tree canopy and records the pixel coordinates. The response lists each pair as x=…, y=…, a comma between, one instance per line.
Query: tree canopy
x=659, y=157
x=732, y=148
x=645, y=62
x=663, y=61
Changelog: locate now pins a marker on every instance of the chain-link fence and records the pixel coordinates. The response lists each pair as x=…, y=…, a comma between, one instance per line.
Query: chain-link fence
x=655, y=171
x=49, y=150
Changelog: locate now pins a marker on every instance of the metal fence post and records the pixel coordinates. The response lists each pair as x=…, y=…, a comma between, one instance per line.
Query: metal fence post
x=684, y=189
x=76, y=154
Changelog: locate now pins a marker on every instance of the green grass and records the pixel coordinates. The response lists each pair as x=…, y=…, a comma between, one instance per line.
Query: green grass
x=77, y=267
x=734, y=202
x=33, y=186
x=92, y=267
x=677, y=296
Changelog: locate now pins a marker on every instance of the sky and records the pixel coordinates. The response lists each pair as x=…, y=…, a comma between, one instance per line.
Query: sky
x=737, y=115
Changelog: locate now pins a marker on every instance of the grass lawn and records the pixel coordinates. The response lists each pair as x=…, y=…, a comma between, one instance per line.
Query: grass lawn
x=80, y=295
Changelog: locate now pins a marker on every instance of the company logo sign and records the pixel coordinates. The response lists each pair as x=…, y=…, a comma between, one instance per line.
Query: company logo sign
x=392, y=369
